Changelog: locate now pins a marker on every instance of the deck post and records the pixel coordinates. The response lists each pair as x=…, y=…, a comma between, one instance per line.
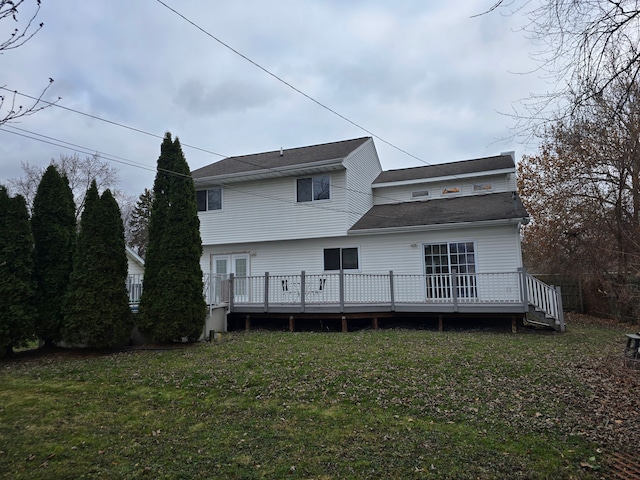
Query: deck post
x=440, y=328
x=266, y=292
x=211, y=294
x=454, y=288
x=292, y=324
x=341, y=285
x=393, y=297
x=524, y=291
x=247, y=323
x=344, y=324
x=514, y=325
x=231, y=290
x=560, y=307
x=374, y=323
x=302, y=290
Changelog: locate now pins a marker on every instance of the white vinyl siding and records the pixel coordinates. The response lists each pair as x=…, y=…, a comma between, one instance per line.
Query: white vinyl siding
x=403, y=193
x=497, y=249
x=363, y=166
x=266, y=210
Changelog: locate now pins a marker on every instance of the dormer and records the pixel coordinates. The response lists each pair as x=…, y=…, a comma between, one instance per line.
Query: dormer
x=469, y=177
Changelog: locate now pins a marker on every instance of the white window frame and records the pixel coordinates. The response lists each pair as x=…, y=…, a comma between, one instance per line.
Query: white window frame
x=483, y=187
x=312, y=177
x=454, y=190
x=357, y=249
x=206, y=190
x=420, y=194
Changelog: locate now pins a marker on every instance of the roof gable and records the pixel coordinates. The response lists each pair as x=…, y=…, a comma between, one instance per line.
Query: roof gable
x=278, y=159
x=453, y=169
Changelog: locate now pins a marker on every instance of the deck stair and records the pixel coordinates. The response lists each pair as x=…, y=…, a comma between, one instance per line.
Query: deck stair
x=545, y=304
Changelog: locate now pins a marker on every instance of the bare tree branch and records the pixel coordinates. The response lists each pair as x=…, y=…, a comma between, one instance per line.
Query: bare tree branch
x=585, y=46
x=19, y=35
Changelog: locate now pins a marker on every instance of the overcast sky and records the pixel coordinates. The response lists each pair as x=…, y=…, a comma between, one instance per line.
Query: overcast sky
x=424, y=76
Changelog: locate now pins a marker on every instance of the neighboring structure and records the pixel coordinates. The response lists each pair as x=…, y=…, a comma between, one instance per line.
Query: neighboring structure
x=323, y=231
x=134, y=278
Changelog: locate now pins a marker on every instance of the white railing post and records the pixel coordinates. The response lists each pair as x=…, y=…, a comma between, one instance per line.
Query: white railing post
x=524, y=287
x=391, y=291
x=341, y=286
x=454, y=288
x=231, y=292
x=302, y=291
x=266, y=292
x=560, y=317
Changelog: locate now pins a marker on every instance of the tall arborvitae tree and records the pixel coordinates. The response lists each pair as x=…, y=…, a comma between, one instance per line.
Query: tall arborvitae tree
x=16, y=270
x=97, y=312
x=172, y=304
x=54, y=232
x=139, y=223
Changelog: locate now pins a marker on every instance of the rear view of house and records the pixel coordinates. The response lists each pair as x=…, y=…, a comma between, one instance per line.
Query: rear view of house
x=322, y=231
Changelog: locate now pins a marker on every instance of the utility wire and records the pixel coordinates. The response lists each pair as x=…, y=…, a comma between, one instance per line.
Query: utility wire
x=134, y=129
x=280, y=79
x=54, y=104
x=84, y=150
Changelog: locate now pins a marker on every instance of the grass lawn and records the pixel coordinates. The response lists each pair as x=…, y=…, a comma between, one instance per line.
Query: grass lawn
x=372, y=404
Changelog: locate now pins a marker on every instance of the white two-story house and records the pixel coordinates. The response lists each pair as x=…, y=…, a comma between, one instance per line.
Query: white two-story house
x=323, y=230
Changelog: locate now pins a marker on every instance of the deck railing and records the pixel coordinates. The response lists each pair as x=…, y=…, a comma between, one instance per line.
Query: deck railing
x=352, y=289
x=371, y=289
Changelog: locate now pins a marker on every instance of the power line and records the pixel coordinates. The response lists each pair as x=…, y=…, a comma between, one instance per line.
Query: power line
x=281, y=80
x=134, y=129
x=87, y=151
x=84, y=150
x=95, y=117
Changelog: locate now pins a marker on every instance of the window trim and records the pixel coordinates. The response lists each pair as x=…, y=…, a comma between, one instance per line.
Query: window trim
x=341, y=249
x=451, y=190
x=420, y=194
x=483, y=187
x=206, y=195
x=312, y=178
x=468, y=287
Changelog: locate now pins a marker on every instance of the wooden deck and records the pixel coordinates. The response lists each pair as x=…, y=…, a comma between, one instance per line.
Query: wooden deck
x=341, y=294
x=358, y=296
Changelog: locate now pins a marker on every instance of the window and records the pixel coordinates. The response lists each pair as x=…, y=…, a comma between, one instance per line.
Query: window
x=441, y=259
x=420, y=193
x=450, y=190
x=482, y=187
x=210, y=199
x=341, y=258
x=313, y=188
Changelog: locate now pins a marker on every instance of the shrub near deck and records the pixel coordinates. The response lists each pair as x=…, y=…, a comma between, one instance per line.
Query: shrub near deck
x=386, y=404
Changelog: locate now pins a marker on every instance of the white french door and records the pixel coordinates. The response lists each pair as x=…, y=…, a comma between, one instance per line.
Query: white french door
x=238, y=265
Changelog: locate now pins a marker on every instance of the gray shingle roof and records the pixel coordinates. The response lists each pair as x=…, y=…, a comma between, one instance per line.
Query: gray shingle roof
x=273, y=160
x=498, y=162
x=473, y=208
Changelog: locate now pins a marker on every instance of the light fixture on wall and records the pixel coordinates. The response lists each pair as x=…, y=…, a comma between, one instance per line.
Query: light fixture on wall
x=253, y=253
x=414, y=245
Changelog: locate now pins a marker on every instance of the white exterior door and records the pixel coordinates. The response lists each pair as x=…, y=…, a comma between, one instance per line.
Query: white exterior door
x=238, y=265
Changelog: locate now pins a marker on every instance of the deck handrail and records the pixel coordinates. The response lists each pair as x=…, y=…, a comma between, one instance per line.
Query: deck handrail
x=546, y=299
x=343, y=288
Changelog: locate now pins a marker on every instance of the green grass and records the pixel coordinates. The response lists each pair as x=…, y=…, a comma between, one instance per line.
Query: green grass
x=385, y=404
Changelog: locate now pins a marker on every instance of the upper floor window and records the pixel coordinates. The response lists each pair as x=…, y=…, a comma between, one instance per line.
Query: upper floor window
x=341, y=258
x=210, y=199
x=313, y=188
x=482, y=187
x=419, y=193
x=450, y=190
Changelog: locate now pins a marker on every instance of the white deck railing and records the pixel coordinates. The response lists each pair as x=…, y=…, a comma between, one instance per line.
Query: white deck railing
x=340, y=289
x=371, y=289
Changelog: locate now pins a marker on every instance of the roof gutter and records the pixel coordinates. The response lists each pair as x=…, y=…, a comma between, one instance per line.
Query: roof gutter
x=247, y=175
x=442, y=226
